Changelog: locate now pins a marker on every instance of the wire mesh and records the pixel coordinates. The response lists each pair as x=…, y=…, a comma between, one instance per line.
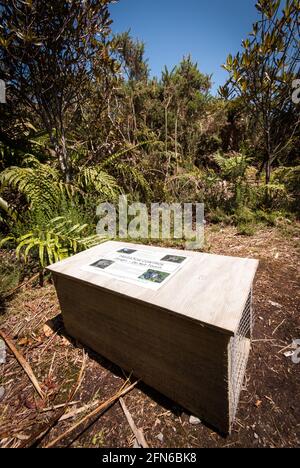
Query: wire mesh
x=238, y=356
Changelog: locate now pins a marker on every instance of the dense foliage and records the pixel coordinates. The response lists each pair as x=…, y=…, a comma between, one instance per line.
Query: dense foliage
x=84, y=122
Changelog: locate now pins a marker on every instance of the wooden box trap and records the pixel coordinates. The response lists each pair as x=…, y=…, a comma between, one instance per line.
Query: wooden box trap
x=181, y=321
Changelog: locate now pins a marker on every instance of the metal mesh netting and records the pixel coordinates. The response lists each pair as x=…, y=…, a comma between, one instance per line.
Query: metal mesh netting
x=239, y=348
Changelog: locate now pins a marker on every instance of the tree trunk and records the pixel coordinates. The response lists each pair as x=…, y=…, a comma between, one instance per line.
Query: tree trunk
x=5, y=207
x=268, y=171
x=63, y=158
x=166, y=137
x=41, y=277
x=134, y=120
x=176, y=142
x=166, y=130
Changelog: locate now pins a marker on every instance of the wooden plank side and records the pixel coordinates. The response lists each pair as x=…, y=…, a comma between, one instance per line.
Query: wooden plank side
x=209, y=288
x=185, y=361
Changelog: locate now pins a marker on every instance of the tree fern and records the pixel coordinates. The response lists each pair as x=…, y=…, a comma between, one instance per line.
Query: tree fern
x=95, y=179
x=133, y=176
x=109, y=162
x=232, y=167
x=127, y=170
x=39, y=183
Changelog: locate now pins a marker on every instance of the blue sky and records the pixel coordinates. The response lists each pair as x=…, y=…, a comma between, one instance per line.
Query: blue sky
x=207, y=29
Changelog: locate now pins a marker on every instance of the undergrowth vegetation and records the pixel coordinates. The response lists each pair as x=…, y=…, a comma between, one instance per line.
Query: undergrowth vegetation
x=84, y=123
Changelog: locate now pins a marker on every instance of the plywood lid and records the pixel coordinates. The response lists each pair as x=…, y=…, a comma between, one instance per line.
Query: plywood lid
x=210, y=289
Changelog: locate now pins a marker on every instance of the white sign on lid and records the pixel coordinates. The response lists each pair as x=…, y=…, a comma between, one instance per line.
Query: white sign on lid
x=149, y=269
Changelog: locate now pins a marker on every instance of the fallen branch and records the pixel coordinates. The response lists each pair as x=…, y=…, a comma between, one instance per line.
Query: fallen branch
x=277, y=328
x=95, y=413
x=137, y=432
x=23, y=363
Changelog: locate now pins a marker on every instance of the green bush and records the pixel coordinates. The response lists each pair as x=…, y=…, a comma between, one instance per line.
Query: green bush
x=243, y=215
x=246, y=229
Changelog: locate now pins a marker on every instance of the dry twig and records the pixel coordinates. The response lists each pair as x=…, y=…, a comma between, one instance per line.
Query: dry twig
x=137, y=432
x=23, y=363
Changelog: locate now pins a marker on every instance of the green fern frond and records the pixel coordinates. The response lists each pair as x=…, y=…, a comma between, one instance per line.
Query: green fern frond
x=94, y=178
x=112, y=159
x=232, y=167
x=39, y=183
x=53, y=243
x=134, y=176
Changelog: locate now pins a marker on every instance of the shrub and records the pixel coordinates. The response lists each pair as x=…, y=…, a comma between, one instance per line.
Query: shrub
x=246, y=229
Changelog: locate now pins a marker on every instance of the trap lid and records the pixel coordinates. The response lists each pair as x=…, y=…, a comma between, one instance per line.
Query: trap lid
x=210, y=289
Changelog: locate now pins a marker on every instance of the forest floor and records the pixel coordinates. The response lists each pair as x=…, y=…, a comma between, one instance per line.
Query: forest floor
x=269, y=410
